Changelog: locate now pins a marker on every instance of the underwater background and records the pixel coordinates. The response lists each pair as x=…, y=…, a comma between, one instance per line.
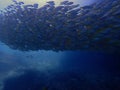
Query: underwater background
x=85, y=59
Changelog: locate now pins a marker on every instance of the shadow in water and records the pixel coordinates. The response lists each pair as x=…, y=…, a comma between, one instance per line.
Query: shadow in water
x=35, y=80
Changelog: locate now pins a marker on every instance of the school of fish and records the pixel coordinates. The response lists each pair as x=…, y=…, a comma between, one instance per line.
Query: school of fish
x=95, y=27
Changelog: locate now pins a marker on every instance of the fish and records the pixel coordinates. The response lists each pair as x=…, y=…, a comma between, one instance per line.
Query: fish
x=91, y=27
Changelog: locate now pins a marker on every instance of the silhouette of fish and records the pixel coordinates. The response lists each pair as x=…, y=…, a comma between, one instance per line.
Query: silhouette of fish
x=64, y=27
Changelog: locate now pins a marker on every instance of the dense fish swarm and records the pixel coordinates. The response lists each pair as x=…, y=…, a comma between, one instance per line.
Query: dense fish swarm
x=64, y=27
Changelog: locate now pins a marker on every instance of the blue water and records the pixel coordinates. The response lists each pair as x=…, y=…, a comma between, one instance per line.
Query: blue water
x=63, y=70
x=48, y=70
